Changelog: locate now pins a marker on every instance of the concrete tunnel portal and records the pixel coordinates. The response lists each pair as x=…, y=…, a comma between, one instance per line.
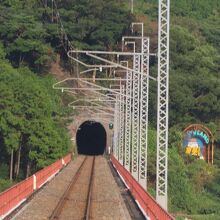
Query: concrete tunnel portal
x=91, y=138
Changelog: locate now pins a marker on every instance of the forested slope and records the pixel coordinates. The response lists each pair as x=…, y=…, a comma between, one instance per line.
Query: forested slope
x=194, y=58
x=31, y=112
x=32, y=131
x=194, y=186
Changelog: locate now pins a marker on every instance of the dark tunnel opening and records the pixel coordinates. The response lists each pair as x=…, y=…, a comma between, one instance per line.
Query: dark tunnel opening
x=91, y=138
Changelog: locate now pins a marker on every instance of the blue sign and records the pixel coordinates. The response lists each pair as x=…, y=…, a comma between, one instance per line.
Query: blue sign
x=200, y=135
x=195, y=142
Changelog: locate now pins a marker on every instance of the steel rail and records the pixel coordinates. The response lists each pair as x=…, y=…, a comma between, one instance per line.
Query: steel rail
x=89, y=197
x=58, y=209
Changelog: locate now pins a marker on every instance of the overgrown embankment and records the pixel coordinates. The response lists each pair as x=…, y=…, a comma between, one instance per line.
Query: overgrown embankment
x=194, y=185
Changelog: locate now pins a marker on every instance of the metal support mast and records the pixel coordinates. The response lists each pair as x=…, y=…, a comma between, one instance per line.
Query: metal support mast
x=144, y=81
x=128, y=123
x=121, y=119
x=135, y=117
x=116, y=128
x=162, y=110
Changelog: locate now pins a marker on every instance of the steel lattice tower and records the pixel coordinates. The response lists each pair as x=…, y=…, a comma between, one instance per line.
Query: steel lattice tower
x=116, y=129
x=136, y=117
x=144, y=93
x=121, y=119
x=128, y=122
x=162, y=110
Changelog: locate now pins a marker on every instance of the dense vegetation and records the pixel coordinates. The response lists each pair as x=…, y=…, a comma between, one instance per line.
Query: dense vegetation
x=32, y=132
x=31, y=128
x=194, y=185
x=194, y=59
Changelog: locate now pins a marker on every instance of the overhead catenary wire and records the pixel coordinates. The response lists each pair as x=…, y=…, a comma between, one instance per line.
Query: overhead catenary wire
x=66, y=42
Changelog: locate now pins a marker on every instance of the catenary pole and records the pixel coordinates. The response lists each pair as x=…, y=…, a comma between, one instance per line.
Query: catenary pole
x=162, y=109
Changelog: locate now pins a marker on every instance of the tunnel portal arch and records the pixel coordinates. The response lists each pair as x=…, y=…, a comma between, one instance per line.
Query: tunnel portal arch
x=91, y=138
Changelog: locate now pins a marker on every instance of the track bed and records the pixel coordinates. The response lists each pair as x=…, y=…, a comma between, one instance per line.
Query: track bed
x=85, y=189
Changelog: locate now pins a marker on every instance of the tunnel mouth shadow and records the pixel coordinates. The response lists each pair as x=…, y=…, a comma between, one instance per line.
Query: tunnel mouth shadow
x=91, y=138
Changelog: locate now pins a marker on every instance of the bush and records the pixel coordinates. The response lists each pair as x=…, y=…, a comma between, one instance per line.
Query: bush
x=4, y=171
x=206, y=204
x=4, y=184
x=181, y=196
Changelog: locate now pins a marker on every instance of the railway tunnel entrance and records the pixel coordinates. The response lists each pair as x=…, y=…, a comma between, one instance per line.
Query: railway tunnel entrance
x=91, y=138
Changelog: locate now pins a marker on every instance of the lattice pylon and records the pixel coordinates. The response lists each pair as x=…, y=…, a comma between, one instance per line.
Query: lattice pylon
x=144, y=84
x=115, y=132
x=118, y=125
x=162, y=110
x=128, y=118
x=117, y=128
x=122, y=115
x=135, y=117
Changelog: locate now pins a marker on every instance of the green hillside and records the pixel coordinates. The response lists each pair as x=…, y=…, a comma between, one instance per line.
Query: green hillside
x=32, y=127
x=194, y=186
x=33, y=133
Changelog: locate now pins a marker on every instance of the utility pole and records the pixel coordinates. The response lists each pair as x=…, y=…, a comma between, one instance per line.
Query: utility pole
x=163, y=96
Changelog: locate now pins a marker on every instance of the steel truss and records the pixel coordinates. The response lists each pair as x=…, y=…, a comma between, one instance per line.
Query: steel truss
x=162, y=109
x=135, y=117
x=131, y=127
x=131, y=103
x=144, y=113
x=117, y=128
x=121, y=122
x=128, y=121
x=114, y=151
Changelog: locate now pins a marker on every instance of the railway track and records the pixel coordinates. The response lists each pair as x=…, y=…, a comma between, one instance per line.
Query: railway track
x=75, y=203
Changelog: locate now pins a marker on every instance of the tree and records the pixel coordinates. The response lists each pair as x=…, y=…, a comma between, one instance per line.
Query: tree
x=94, y=24
x=9, y=113
x=27, y=125
x=193, y=62
x=23, y=36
